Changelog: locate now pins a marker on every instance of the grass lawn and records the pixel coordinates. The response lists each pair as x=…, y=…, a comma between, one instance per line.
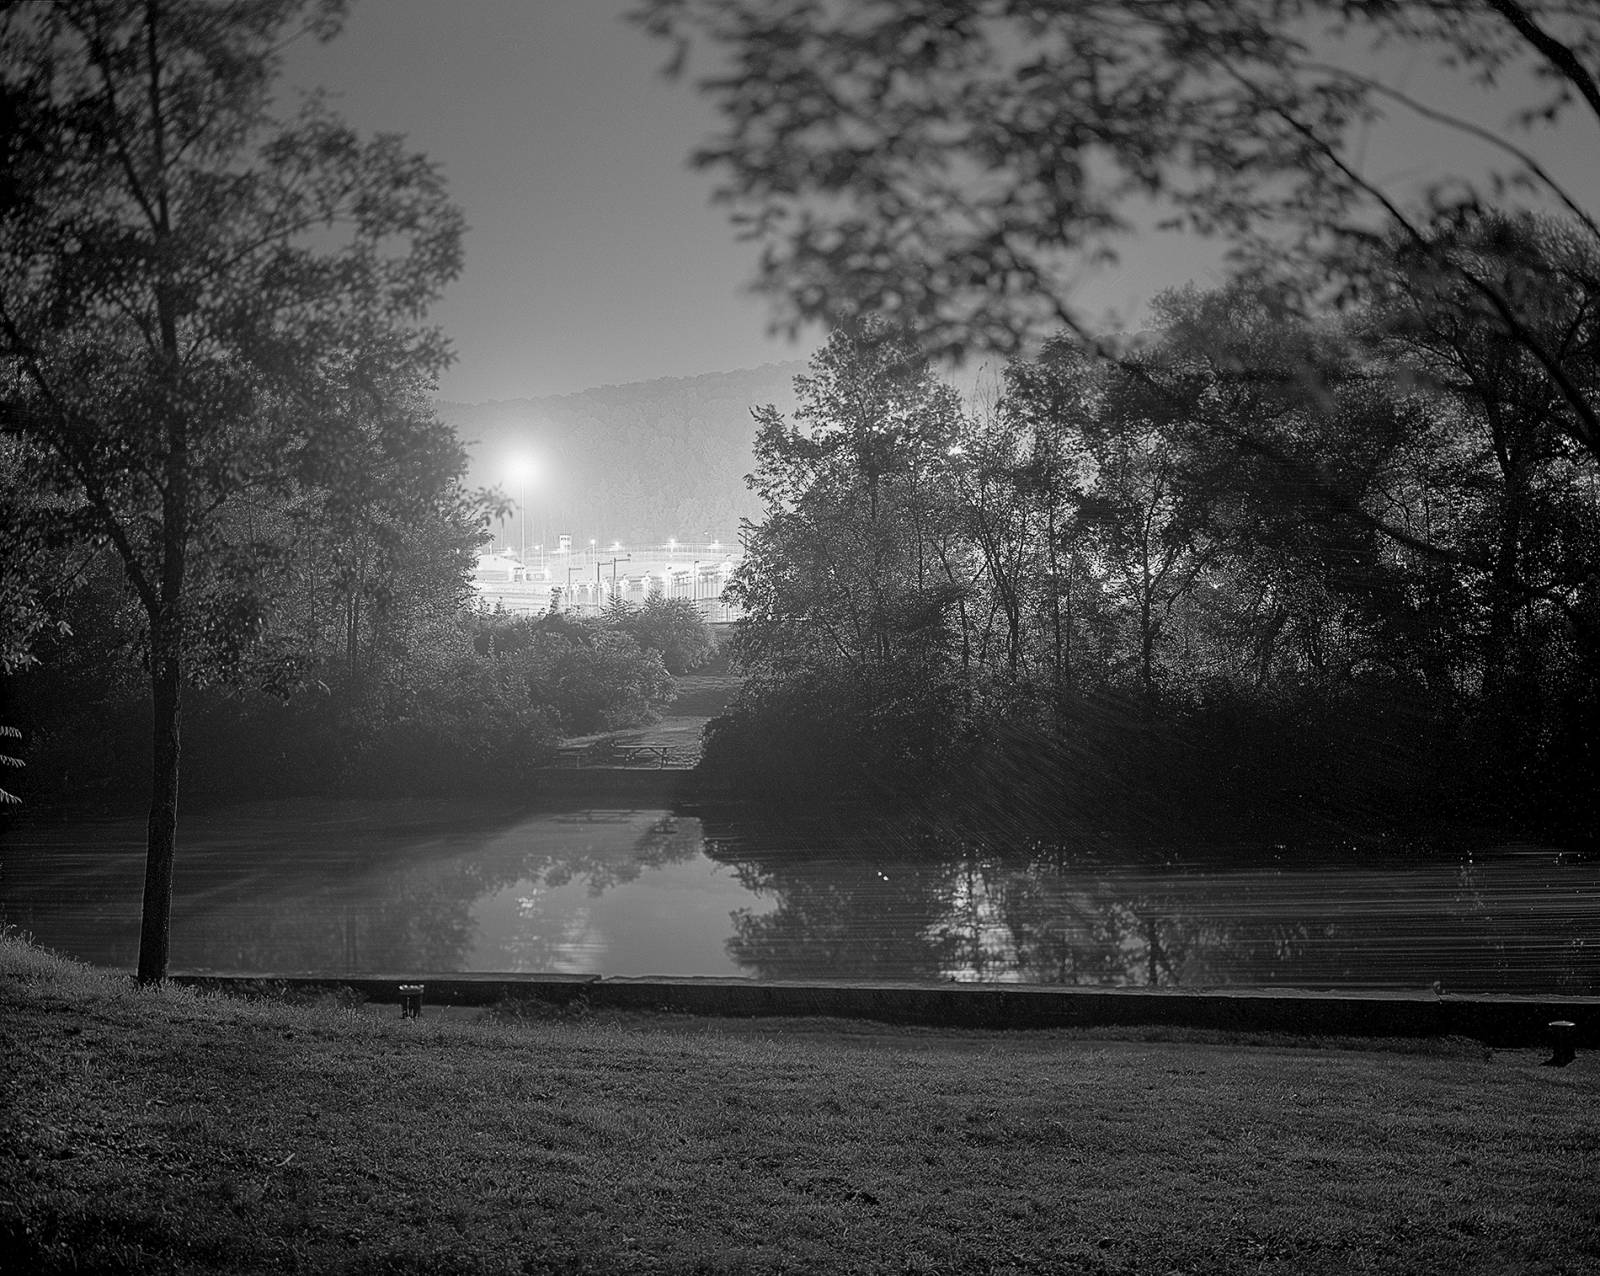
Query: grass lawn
x=161, y=1130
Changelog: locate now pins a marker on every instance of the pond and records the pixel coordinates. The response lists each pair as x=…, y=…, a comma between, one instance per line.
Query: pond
x=347, y=888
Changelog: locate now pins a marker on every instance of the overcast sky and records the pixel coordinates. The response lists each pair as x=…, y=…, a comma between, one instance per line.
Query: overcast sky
x=593, y=255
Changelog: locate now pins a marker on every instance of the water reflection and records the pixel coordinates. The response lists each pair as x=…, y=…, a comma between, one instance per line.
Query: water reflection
x=639, y=898
x=348, y=888
x=842, y=918
x=1524, y=921
x=364, y=888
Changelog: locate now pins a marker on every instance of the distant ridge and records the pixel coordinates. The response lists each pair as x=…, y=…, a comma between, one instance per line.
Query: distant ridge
x=639, y=461
x=788, y=368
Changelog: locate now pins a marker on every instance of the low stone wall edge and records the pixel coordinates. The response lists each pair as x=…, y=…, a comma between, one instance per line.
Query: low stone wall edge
x=1496, y=1021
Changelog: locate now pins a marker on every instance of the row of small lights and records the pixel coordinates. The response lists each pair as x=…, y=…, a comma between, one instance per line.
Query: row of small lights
x=616, y=545
x=605, y=586
x=720, y=569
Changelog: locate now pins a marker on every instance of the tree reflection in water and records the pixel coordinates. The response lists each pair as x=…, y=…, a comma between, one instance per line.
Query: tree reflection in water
x=417, y=909
x=550, y=935
x=363, y=904
x=844, y=919
x=348, y=888
x=329, y=887
x=857, y=908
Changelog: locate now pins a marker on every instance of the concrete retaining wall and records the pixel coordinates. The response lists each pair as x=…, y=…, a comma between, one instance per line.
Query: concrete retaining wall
x=1497, y=1021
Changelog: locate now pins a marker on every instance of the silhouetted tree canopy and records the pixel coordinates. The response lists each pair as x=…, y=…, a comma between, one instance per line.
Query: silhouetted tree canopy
x=204, y=307
x=1235, y=572
x=951, y=166
x=1363, y=467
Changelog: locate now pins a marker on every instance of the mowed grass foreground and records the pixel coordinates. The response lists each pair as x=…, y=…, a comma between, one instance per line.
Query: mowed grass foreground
x=161, y=1130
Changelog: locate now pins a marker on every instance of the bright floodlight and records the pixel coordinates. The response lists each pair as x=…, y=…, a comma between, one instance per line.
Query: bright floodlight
x=520, y=469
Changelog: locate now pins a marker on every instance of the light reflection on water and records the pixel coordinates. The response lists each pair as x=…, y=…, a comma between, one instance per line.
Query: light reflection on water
x=366, y=888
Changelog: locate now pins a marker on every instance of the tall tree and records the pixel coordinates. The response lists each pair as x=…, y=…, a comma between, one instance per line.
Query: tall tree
x=1522, y=527
x=1046, y=405
x=953, y=164
x=845, y=567
x=849, y=580
x=201, y=302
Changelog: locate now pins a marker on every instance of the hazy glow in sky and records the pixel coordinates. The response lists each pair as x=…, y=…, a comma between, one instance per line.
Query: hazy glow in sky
x=594, y=256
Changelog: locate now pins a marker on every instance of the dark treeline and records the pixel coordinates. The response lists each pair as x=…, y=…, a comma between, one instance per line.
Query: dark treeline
x=1334, y=571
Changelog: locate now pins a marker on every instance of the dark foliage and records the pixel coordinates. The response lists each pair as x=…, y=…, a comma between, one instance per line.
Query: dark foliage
x=438, y=699
x=1230, y=578
x=672, y=627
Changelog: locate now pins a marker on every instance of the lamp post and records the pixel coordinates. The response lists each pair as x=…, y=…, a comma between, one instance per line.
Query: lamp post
x=624, y=558
x=520, y=471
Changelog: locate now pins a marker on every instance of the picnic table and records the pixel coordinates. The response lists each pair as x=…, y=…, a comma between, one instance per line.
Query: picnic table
x=660, y=753
x=576, y=754
x=581, y=753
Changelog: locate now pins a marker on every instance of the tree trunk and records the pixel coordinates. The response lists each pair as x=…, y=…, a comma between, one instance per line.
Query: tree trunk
x=167, y=614
x=1147, y=647
x=1267, y=645
x=352, y=621
x=1055, y=602
x=165, y=696
x=1504, y=601
x=1064, y=679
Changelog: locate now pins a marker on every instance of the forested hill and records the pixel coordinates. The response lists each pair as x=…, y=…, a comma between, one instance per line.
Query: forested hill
x=637, y=463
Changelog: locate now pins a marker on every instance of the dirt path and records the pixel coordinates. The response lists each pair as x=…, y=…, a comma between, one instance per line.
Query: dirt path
x=701, y=696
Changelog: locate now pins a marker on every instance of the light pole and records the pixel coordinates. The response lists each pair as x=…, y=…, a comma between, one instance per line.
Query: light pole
x=520, y=471
x=625, y=558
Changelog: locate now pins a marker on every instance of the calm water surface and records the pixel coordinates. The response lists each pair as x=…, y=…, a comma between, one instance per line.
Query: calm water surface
x=367, y=888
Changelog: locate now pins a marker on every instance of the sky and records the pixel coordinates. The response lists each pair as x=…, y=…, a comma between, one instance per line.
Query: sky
x=593, y=254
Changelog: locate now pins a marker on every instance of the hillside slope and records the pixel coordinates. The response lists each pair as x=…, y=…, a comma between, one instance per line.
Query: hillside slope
x=635, y=463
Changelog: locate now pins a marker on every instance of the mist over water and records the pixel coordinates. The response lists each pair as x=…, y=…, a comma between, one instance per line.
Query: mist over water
x=354, y=888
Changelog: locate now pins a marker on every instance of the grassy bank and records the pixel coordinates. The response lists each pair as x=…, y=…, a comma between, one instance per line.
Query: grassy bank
x=155, y=1131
